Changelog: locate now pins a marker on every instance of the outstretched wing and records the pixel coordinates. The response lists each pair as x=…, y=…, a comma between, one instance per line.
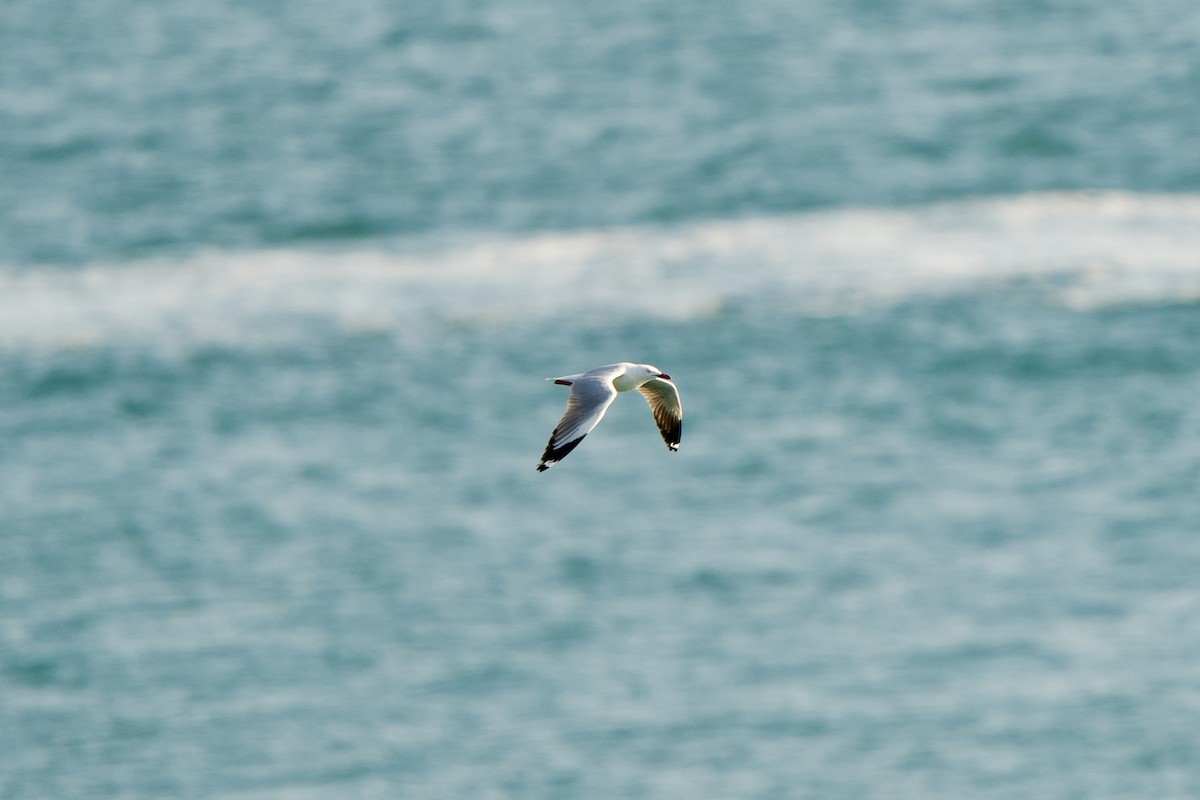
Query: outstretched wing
x=591, y=395
x=663, y=397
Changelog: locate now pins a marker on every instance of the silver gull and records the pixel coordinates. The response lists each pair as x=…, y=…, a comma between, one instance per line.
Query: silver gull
x=592, y=393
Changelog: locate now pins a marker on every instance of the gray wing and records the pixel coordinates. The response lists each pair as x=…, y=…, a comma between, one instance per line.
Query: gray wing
x=591, y=395
x=663, y=397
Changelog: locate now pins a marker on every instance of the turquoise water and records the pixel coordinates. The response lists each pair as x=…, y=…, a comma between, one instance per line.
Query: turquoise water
x=279, y=286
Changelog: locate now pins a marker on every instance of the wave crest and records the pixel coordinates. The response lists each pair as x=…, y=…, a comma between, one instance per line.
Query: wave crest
x=1099, y=249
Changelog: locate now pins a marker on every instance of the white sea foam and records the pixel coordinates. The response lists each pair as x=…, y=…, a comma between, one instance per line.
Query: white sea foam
x=1100, y=248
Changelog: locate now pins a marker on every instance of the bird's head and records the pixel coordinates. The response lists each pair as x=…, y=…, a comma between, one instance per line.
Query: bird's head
x=647, y=372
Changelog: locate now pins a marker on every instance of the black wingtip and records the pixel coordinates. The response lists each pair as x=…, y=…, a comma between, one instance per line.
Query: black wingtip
x=553, y=454
x=673, y=434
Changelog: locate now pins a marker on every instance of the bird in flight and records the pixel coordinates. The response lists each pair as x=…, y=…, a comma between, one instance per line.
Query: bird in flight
x=592, y=393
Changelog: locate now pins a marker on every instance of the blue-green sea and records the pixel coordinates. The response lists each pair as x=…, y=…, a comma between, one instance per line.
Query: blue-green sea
x=280, y=283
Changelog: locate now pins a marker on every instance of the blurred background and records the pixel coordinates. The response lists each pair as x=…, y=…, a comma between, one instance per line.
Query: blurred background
x=279, y=286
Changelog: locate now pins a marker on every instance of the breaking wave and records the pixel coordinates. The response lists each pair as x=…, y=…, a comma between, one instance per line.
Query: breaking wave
x=1083, y=250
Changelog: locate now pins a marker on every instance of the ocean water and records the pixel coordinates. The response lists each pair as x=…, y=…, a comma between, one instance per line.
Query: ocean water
x=279, y=287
